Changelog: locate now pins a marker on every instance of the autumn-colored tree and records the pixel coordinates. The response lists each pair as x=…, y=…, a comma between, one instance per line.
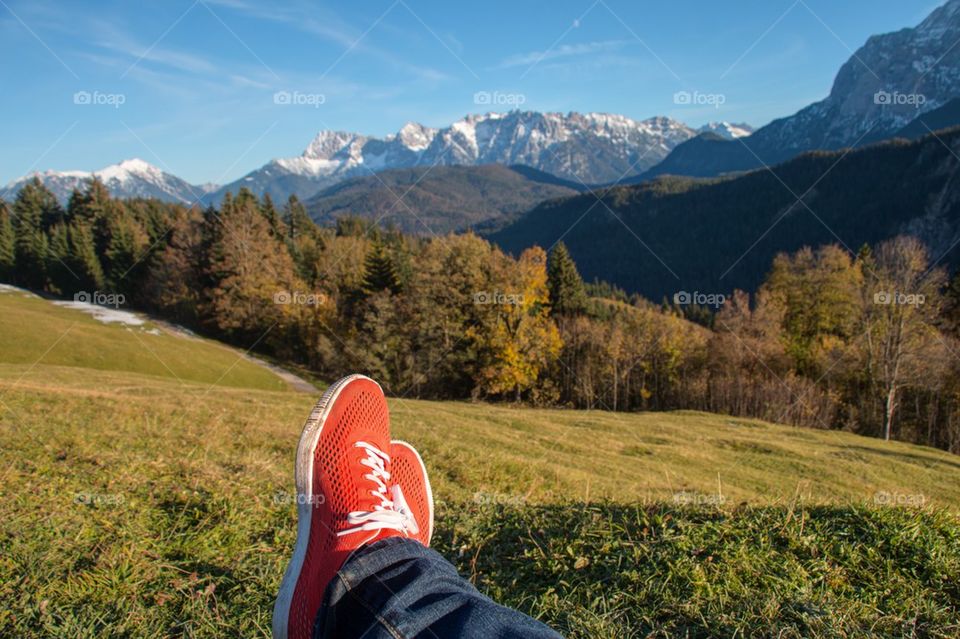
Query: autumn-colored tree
x=253, y=280
x=818, y=291
x=439, y=307
x=174, y=281
x=518, y=341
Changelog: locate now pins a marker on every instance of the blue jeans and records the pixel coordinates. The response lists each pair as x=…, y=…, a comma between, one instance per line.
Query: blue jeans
x=399, y=589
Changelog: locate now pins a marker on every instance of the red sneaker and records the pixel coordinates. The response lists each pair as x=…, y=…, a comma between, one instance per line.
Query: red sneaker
x=345, y=497
x=410, y=475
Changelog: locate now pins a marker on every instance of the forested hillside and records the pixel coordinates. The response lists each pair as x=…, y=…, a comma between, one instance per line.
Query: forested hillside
x=438, y=199
x=680, y=234
x=861, y=342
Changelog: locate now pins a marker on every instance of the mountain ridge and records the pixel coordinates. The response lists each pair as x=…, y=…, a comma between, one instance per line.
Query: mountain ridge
x=586, y=147
x=437, y=200
x=888, y=82
x=129, y=178
x=713, y=235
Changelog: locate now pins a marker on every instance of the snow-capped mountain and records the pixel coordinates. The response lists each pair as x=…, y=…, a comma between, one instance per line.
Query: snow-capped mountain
x=589, y=147
x=130, y=178
x=727, y=130
x=884, y=86
x=888, y=83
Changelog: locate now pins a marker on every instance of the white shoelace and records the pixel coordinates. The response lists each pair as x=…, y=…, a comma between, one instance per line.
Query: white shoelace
x=393, y=511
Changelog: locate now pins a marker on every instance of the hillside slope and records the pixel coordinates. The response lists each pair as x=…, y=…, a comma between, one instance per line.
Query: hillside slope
x=438, y=199
x=680, y=234
x=35, y=331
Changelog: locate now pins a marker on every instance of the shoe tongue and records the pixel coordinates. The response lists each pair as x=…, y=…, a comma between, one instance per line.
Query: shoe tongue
x=367, y=500
x=400, y=505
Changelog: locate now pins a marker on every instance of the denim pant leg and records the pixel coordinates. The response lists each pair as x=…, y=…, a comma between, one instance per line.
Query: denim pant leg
x=399, y=589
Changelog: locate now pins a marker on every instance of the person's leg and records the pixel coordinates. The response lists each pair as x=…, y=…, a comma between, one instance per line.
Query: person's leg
x=399, y=589
x=356, y=490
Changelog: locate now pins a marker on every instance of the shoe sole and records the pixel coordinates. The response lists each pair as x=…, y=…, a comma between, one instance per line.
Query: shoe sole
x=426, y=481
x=303, y=477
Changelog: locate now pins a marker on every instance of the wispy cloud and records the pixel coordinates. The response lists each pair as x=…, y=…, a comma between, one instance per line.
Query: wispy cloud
x=110, y=38
x=562, y=51
x=307, y=17
x=316, y=20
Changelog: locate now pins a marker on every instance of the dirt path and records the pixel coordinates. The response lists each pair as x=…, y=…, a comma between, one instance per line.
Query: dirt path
x=295, y=382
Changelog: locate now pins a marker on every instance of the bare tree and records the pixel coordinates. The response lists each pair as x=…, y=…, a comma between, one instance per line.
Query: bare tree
x=900, y=320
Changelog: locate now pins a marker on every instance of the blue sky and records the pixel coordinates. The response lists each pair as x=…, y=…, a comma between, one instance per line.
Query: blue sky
x=190, y=85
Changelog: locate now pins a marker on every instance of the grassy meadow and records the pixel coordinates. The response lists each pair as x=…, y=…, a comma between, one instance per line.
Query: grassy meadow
x=146, y=482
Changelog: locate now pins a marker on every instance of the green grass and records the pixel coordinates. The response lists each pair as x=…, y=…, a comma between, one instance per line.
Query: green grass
x=32, y=328
x=142, y=505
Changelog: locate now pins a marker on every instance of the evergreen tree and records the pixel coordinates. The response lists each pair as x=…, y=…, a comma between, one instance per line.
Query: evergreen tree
x=353, y=226
x=33, y=205
x=83, y=260
x=72, y=262
x=304, y=240
x=7, y=244
x=60, y=274
x=567, y=294
x=246, y=200
x=124, y=260
x=95, y=208
x=89, y=204
x=296, y=218
x=277, y=226
x=380, y=272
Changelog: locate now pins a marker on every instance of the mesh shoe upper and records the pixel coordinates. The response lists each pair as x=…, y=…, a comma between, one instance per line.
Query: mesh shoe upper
x=338, y=484
x=409, y=472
